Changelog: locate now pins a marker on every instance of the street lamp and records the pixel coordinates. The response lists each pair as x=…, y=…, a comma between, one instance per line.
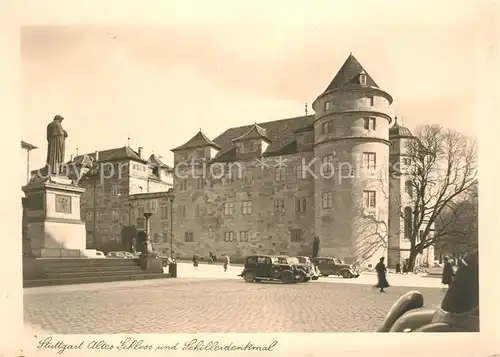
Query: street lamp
x=171, y=228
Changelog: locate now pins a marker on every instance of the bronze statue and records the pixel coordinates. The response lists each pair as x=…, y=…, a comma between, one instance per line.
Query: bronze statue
x=56, y=138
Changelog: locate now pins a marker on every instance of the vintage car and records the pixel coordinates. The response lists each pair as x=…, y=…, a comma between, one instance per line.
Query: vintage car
x=459, y=310
x=272, y=268
x=309, y=267
x=333, y=266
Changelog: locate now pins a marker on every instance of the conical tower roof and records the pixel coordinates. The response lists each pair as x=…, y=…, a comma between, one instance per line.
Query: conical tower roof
x=348, y=75
x=200, y=140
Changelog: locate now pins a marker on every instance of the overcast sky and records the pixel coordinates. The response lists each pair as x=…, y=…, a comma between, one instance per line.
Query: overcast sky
x=159, y=84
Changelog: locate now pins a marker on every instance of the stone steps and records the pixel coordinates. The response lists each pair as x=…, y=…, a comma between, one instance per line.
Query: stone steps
x=79, y=273
x=90, y=279
x=63, y=271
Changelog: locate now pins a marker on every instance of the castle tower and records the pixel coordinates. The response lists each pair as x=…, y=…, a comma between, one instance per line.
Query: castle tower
x=351, y=129
x=400, y=191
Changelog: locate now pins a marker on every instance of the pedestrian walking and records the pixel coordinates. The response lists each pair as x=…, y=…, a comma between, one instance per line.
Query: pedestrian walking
x=196, y=259
x=227, y=261
x=381, y=275
x=448, y=274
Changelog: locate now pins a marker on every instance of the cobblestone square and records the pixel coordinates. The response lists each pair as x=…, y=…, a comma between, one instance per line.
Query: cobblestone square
x=194, y=304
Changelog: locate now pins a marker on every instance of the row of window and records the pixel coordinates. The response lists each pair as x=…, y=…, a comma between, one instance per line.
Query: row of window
x=330, y=104
x=296, y=235
x=369, y=123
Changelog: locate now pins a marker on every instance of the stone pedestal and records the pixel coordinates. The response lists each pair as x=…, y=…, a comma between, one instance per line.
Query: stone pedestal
x=53, y=220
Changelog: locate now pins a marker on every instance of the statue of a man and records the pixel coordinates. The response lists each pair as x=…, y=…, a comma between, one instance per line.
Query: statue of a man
x=56, y=138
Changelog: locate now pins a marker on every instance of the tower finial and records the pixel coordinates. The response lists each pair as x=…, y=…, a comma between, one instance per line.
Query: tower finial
x=76, y=151
x=128, y=141
x=305, y=108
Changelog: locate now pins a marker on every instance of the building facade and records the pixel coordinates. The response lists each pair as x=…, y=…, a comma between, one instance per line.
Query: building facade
x=272, y=187
x=116, y=175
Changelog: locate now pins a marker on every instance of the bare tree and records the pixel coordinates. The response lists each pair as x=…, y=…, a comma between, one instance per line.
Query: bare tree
x=442, y=169
x=460, y=221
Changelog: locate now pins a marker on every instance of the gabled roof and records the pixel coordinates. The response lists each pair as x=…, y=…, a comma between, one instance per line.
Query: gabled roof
x=200, y=140
x=348, y=75
x=399, y=131
x=281, y=134
x=122, y=153
x=255, y=132
x=155, y=161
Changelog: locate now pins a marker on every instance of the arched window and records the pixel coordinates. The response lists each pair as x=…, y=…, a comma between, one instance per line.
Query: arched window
x=408, y=222
x=409, y=188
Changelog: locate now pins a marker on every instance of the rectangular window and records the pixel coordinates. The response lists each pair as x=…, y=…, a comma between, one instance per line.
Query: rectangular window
x=115, y=190
x=140, y=212
x=370, y=100
x=295, y=235
x=228, y=209
x=369, y=160
x=164, y=212
x=183, y=184
x=327, y=200
x=406, y=161
x=90, y=215
x=210, y=232
x=199, y=210
x=200, y=183
x=327, y=164
x=228, y=236
x=369, y=123
x=247, y=179
x=116, y=215
x=244, y=236
x=300, y=205
x=300, y=173
x=188, y=237
x=328, y=105
x=327, y=127
x=369, y=199
x=279, y=206
x=181, y=211
x=280, y=173
x=246, y=207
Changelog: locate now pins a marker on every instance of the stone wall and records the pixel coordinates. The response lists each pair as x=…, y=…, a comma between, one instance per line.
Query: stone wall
x=215, y=216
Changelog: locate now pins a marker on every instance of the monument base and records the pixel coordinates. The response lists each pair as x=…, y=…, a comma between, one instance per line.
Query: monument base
x=53, y=224
x=64, y=253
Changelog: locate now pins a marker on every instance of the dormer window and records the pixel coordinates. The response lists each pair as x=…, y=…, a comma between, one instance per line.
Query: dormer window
x=328, y=105
x=362, y=78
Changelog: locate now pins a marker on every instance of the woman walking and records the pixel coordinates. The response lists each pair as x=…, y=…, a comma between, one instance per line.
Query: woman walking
x=381, y=275
x=448, y=273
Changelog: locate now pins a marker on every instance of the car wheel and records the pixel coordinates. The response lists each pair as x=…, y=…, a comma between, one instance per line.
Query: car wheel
x=249, y=276
x=315, y=278
x=287, y=277
x=346, y=275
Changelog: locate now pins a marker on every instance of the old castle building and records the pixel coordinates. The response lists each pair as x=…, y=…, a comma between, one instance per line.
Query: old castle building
x=271, y=187
x=106, y=205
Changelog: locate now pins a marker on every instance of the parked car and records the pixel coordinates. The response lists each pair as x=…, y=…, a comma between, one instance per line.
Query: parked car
x=271, y=268
x=308, y=266
x=333, y=266
x=164, y=259
x=118, y=255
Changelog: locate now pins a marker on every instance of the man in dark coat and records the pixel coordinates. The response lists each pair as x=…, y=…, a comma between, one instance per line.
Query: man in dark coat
x=448, y=273
x=381, y=275
x=196, y=259
x=56, y=138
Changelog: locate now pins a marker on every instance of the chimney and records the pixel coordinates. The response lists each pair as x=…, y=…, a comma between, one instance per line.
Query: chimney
x=96, y=154
x=139, y=151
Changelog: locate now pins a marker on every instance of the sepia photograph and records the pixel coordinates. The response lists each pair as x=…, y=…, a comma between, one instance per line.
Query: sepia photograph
x=251, y=175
